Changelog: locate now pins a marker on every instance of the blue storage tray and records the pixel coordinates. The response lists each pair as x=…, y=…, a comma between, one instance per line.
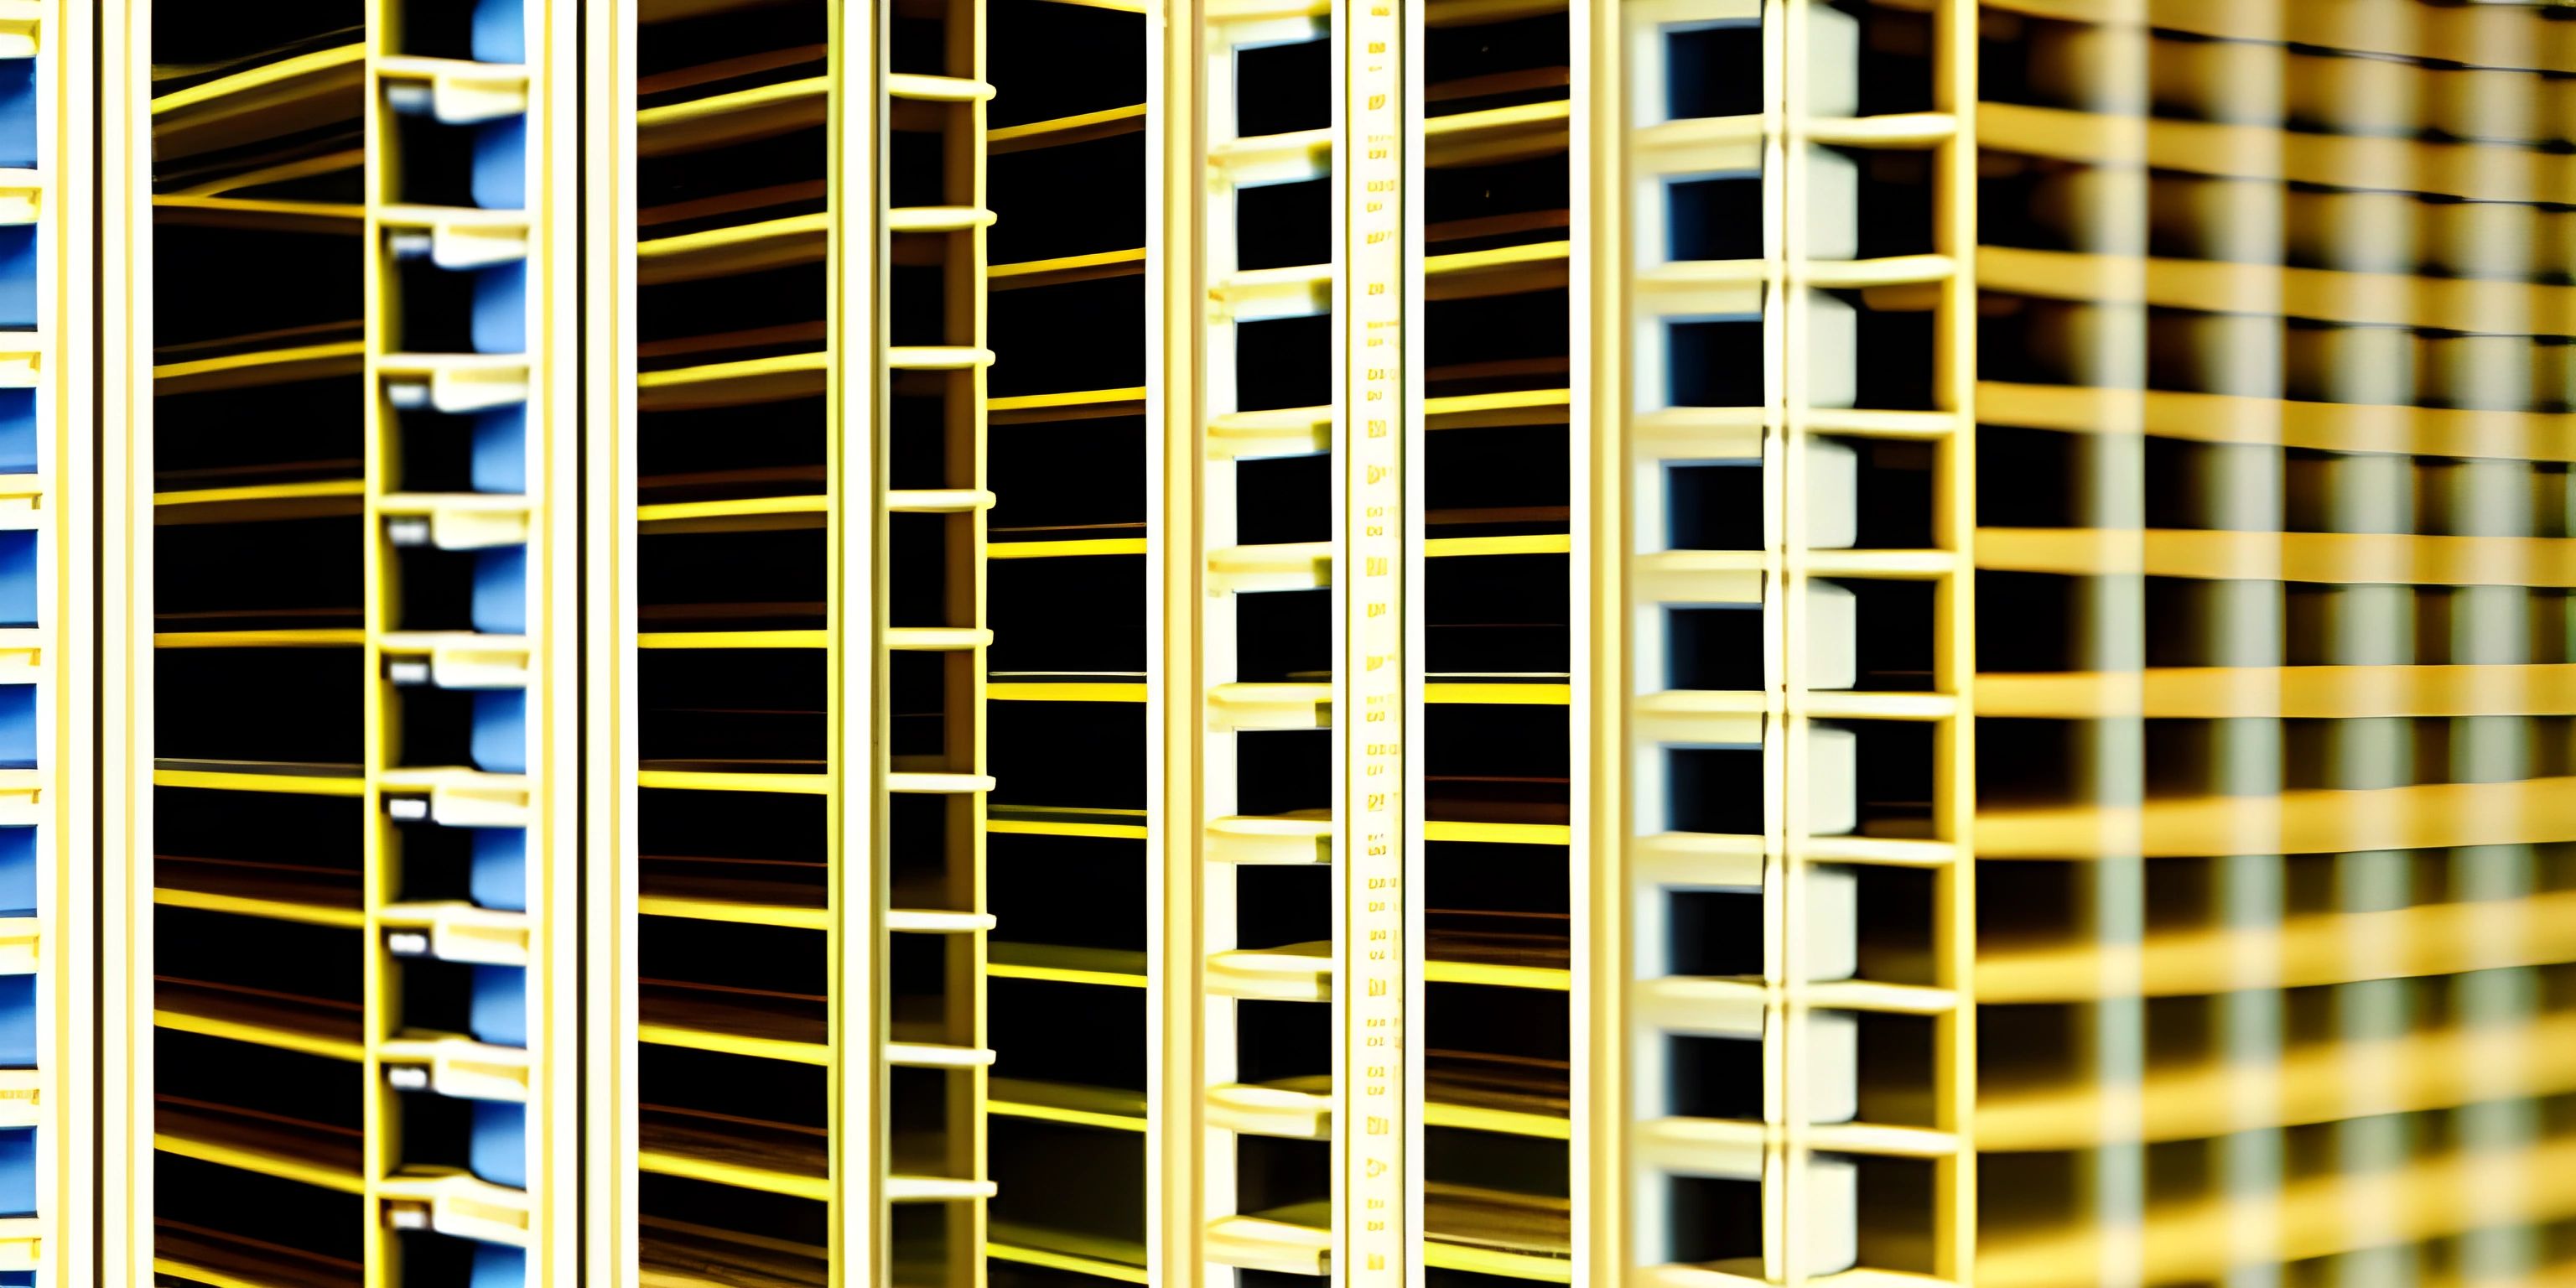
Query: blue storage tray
x=17, y=577
x=499, y=1014
x=17, y=435
x=497, y=1265
x=17, y=726
x=500, y=873
x=500, y=591
x=500, y=449
x=17, y=872
x=499, y=1152
x=501, y=309
x=501, y=164
x=18, y=113
x=18, y=1172
x=17, y=277
x=17, y=1021
x=500, y=32
x=501, y=731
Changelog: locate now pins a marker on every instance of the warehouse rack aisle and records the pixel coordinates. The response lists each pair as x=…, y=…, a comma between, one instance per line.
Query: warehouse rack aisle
x=1490, y=918
x=2304, y=398
x=1781, y=776
x=359, y=1052
x=808, y=498
x=1069, y=864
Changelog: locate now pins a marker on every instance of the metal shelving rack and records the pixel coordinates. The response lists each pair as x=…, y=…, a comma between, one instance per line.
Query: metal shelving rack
x=1490, y=929
x=2283, y=290
x=929, y=806
x=1751, y=379
x=408, y=826
x=803, y=863
x=1069, y=863
x=1285, y=1153
x=45, y=470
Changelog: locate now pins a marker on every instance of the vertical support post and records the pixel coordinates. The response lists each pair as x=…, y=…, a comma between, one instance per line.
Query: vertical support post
x=1597, y=436
x=125, y=645
x=964, y=687
x=1369, y=705
x=380, y=1152
x=1954, y=520
x=1176, y=170
x=72, y=48
x=857, y=404
x=607, y=652
x=556, y=898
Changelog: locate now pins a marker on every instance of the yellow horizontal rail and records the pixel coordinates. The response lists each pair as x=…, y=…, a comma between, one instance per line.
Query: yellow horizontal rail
x=2299, y=952
x=288, y=784
x=271, y=909
x=2340, y=558
x=2468, y=171
x=2312, y=1082
x=1065, y=549
x=2275, y=422
x=2535, y=811
x=2359, y=299
x=2192, y=1240
x=708, y=781
x=2291, y=692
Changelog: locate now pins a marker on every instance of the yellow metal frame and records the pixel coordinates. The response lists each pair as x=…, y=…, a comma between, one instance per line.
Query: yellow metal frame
x=126, y=1140
x=1622, y=1215
x=1376, y=497
x=1176, y=1068
x=455, y=1203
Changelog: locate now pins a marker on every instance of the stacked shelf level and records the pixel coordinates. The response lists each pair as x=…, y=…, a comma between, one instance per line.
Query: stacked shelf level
x=1490, y=880
x=1068, y=861
x=38, y=592
x=1779, y=805
x=731, y=878
x=352, y=896
x=808, y=499
x=2274, y=604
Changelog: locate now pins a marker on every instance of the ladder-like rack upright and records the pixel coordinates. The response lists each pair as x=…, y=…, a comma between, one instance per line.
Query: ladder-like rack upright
x=358, y=955
x=1780, y=806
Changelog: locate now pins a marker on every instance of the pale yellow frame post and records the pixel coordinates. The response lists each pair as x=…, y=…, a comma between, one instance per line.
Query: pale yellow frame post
x=857, y=400
x=1947, y=275
x=379, y=1151
x=1211, y=768
x=1177, y=182
x=125, y=646
x=957, y=778
x=608, y=1080
x=1221, y=708
x=1954, y=782
x=1637, y=855
x=1372, y=1226
x=1597, y=434
x=557, y=897
x=964, y=691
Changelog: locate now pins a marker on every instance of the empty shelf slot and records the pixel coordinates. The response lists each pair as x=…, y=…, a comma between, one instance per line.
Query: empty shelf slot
x=732, y=581
x=297, y=856
x=480, y=166
x=757, y=710
x=300, y=574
